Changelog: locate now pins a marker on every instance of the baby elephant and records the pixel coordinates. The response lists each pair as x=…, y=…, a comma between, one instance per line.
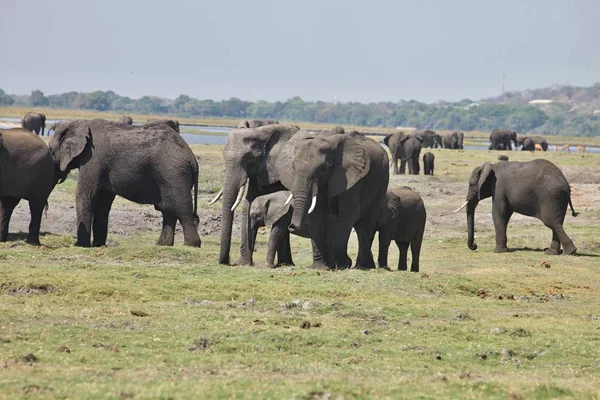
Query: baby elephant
x=272, y=210
x=428, y=159
x=402, y=220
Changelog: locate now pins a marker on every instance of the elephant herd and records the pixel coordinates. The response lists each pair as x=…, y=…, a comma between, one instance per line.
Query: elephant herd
x=318, y=185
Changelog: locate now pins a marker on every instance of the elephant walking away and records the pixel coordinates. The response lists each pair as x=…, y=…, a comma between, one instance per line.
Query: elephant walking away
x=149, y=164
x=500, y=139
x=407, y=149
x=172, y=123
x=256, y=123
x=275, y=211
x=402, y=220
x=126, y=120
x=428, y=163
x=35, y=122
x=536, y=188
x=338, y=182
x=250, y=156
x=27, y=172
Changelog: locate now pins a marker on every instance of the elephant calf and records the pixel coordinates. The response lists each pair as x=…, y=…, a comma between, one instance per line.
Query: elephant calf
x=402, y=220
x=428, y=163
x=276, y=211
x=27, y=172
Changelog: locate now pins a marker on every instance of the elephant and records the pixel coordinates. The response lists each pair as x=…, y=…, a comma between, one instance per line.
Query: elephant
x=402, y=219
x=461, y=139
x=35, y=122
x=450, y=141
x=250, y=156
x=437, y=139
x=536, y=188
x=428, y=163
x=126, y=120
x=27, y=172
x=338, y=182
x=275, y=211
x=172, y=123
x=406, y=148
x=256, y=123
x=500, y=139
x=529, y=144
x=149, y=164
x=429, y=138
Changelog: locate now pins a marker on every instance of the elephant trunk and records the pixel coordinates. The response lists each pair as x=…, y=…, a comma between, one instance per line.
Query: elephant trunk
x=301, y=206
x=233, y=182
x=471, y=225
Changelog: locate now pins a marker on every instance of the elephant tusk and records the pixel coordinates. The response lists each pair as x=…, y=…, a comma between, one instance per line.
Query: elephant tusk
x=289, y=199
x=461, y=207
x=239, y=196
x=217, y=197
x=313, y=204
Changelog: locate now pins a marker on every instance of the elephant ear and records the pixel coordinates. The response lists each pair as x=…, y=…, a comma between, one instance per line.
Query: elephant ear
x=243, y=124
x=69, y=141
x=386, y=139
x=487, y=172
x=352, y=163
x=276, y=137
x=275, y=210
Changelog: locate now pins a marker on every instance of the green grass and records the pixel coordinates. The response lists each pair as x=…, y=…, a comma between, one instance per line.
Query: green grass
x=142, y=321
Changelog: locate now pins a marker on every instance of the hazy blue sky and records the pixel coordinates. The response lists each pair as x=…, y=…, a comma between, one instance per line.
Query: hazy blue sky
x=368, y=50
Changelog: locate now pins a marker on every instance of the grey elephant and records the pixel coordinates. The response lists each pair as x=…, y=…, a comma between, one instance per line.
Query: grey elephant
x=437, y=139
x=429, y=138
x=126, y=120
x=256, y=123
x=338, y=182
x=536, y=188
x=450, y=141
x=275, y=211
x=407, y=149
x=250, y=156
x=428, y=163
x=174, y=124
x=27, y=172
x=35, y=122
x=402, y=220
x=149, y=164
x=461, y=139
x=528, y=143
x=501, y=139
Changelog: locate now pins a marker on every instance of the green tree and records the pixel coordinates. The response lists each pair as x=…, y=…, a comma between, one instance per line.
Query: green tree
x=38, y=99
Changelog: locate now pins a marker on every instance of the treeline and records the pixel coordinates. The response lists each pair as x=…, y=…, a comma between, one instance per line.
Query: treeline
x=465, y=115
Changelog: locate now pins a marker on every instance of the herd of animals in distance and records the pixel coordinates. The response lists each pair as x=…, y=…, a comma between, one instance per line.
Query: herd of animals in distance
x=319, y=185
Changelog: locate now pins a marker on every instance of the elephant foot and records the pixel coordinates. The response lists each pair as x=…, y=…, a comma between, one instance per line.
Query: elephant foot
x=33, y=242
x=319, y=266
x=501, y=249
x=285, y=264
x=82, y=244
x=193, y=243
x=552, y=251
x=243, y=262
x=570, y=249
x=363, y=267
x=270, y=265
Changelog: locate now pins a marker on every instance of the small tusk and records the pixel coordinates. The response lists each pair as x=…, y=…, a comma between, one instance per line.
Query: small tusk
x=217, y=197
x=461, y=207
x=313, y=204
x=239, y=196
x=289, y=199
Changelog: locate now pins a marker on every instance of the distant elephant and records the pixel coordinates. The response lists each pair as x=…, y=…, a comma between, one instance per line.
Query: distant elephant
x=402, y=220
x=461, y=139
x=174, y=124
x=450, y=141
x=149, y=164
x=536, y=188
x=250, y=156
x=27, y=172
x=437, y=139
x=406, y=148
x=255, y=123
x=338, y=182
x=428, y=163
x=35, y=122
x=126, y=120
x=428, y=137
x=501, y=139
x=274, y=210
x=529, y=143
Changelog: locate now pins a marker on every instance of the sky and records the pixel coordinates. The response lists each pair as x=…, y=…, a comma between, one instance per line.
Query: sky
x=355, y=50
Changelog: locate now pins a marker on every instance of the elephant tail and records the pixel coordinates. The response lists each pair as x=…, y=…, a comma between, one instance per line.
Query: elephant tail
x=195, y=184
x=407, y=157
x=573, y=213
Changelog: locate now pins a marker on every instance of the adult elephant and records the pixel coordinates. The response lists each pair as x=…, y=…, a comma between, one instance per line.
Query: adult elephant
x=174, y=124
x=528, y=143
x=502, y=138
x=250, y=156
x=256, y=123
x=437, y=139
x=149, y=164
x=27, y=172
x=407, y=149
x=428, y=136
x=35, y=122
x=450, y=141
x=536, y=188
x=461, y=139
x=338, y=181
x=126, y=120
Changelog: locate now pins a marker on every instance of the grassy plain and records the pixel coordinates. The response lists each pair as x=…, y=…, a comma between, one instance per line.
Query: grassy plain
x=134, y=320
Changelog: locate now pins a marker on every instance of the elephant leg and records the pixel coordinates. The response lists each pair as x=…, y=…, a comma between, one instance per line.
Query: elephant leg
x=167, y=235
x=245, y=253
x=7, y=206
x=403, y=250
x=274, y=244
x=501, y=215
x=86, y=202
x=284, y=250
x=366, y=234
x=190, y=232
x=415, y=248
x=100, y=221
x=340, y=245
x=318, y=238
x=559, y=236
x=402, y=167
x=395, y=165
x=36, y=208
x=384, y=246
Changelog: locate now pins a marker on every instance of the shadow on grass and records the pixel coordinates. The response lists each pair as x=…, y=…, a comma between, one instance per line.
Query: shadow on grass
x=578, y=254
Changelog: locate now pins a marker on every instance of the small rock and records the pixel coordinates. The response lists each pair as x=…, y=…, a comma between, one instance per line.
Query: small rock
x=30, y=358
x=64, y=349
x=545, y=264
x=496, y=331
x=506, y=354
x=438, y=357
x=258, y=322
x=138, y=313
x=367, y=332
x=305, y=325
